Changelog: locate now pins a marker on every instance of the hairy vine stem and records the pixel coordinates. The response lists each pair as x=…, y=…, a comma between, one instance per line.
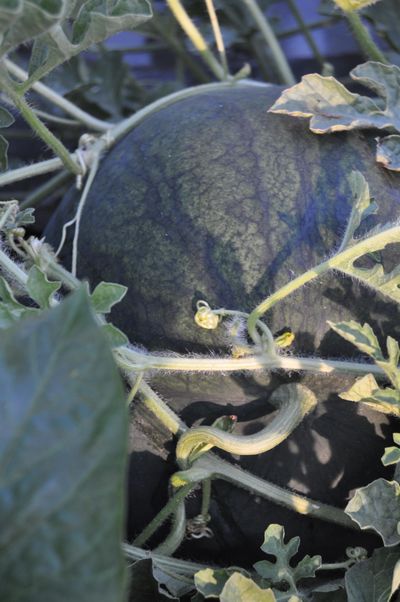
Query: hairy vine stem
x=133, y=360
x=295, y=402
x=174, y=501
x=183, y=566
x=69, y=107
x=269, y=36
x=366, y=245
x=38, y=126
x=364, y=38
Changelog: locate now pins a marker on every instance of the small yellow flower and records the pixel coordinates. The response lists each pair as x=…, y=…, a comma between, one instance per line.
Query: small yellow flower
x=352, y=5
x=205, y=317
x=285, y=339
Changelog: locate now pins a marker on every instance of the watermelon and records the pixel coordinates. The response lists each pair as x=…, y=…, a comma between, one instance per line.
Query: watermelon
x=214, y=198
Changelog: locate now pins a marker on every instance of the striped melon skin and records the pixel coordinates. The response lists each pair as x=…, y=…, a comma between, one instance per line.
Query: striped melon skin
x=215, y=198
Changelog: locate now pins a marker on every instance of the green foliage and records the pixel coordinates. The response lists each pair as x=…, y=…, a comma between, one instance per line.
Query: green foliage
x=366, y=389
x=375, y=579
x=281, y=572
x=377, y=507
x=392, y=454
x=210, y=582
x=362, y=207
x=333, y=108
x=239, y=588
x=6, y=119
x=39, y=287
x=63, y=438
x=11, y=310
x=48, y=22
x=106, y=295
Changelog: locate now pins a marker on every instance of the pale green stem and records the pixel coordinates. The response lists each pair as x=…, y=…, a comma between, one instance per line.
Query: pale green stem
x=57, y=120
x=366, y=245
x=39, y=127
x=174, y=564
x=305, y=30
x=214, y=467
x=177, y=533
x=135, y=388
x=30, y=171
x=159, y=408
x=219, y=41
x=335, y=566
x=132, y=360
x=121, y=129
x=364, y=38
x=92, y=173
x=170, y=507
x=267, y=32
x=57, y=272
x=210, y=466
x=196, y=38
x=91, y=122
x=13, y=269
x=206, y=499
x=295, y=402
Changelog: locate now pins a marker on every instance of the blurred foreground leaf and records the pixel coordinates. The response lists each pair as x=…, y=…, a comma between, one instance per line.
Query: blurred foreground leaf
x=63, y=437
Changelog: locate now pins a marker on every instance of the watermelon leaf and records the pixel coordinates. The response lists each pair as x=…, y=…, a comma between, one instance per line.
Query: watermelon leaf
x=39, y=287
x=362, y=207
x=373, y=579
x=210, y=582
x=377, y=507
x=332, y=108
x=61, y=29
x=392, y=454
x=11, y=310
x=362, y=336
x=106, y=295
x=23, y=20
x=388, y=152
x=63, y=442
x=115, y=336
x=90, y=22
x=281, y=571
x=239, y=588
x=366, y=389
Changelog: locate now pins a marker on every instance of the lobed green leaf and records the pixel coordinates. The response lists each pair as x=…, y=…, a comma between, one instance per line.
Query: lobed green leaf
x=39, y=287
x=281, y=571
x=91, y=21
x=332, y=108
x=23, y=20
x=377, y=507
x=362, y=336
